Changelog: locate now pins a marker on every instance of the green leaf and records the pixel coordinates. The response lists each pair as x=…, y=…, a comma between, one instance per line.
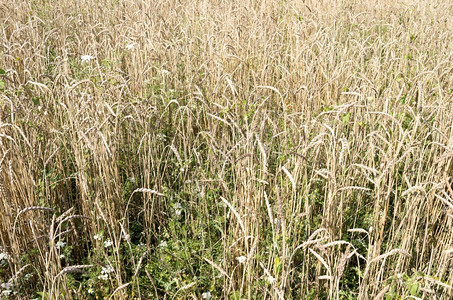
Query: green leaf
x=43, y=295
x=277, y=265
x=2, y=72
x=236, y=295
x=346, y=118
x=414, y=289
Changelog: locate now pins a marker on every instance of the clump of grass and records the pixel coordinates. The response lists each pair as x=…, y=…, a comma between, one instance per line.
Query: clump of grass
x=187, y=150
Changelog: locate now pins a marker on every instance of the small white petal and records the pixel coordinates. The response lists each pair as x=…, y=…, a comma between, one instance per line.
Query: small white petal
x=103, y=277
x=60, y=244
x=3, y=256
x=241, y=259
x=86, y=58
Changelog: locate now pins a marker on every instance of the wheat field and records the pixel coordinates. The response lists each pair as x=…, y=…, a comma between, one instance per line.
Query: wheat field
x=219, y=149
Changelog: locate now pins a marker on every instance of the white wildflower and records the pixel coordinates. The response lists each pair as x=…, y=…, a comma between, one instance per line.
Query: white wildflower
x=90, y=291
x=130, y=46
x=165, y=72
x=86, y=58
x=241, y=259
x=107, y=270
x=206, y=295
x=60, y=244
x=161, y=136
x=163, y=244
x=178, y=209
x=271, y=279
x=103, y=276
x=108, y=243
x=6, y=292
x=98, y=237
x=6, y=285
x=3, y=256
x=28, y=276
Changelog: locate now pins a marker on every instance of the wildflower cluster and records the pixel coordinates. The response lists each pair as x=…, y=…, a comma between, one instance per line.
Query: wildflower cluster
x=178, y=209
x=98, y=237
x=105, y=272
x=108, y=243
x=241, y=259
x=3, y=257
x=60, y=245
x=7, y=288
x=86, y=58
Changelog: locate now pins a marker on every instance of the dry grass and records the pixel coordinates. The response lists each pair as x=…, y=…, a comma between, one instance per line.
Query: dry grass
x=312, y=138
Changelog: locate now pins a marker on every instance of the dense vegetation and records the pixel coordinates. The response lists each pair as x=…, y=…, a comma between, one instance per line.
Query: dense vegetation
x=226, y=149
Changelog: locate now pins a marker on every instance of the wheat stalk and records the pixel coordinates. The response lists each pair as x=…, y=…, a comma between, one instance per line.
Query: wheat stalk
x=238, y=217
x=123, y=286
x=71, y=269
x=31, y=208
x=222, y=271
x=390, y=253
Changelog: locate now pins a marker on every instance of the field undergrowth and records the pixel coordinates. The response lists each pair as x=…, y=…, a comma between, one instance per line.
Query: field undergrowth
x=226, y=149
